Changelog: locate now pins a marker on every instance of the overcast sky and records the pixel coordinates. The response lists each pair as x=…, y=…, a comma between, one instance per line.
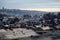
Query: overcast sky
x=25, y=4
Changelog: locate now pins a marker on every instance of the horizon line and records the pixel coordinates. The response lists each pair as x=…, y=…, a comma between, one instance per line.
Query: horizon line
x=43, y=9
x=39, y=9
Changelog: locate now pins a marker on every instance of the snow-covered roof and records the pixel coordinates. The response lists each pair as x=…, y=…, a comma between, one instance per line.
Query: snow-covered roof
x=19, y=33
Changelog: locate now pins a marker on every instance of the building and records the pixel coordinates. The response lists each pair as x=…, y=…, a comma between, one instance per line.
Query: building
x=19, y=33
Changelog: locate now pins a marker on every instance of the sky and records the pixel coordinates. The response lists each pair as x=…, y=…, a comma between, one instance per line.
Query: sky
x=30, y=4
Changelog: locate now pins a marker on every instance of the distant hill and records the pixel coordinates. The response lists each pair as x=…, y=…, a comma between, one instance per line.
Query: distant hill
x=17, y=12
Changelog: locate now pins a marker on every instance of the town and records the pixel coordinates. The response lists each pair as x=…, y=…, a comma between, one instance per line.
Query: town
x=39, y=23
